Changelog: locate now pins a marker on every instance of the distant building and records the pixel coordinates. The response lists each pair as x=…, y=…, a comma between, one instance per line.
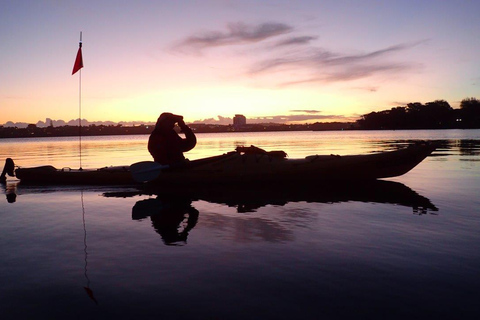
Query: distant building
x=239, y=121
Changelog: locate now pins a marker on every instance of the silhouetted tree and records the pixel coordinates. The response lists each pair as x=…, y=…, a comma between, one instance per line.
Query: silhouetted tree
x=416, y=119
x=470, y=112
x=470, y=104
x=437, y=114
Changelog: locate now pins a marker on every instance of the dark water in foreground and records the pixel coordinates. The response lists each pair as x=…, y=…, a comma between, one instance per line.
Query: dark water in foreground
x=403, y=248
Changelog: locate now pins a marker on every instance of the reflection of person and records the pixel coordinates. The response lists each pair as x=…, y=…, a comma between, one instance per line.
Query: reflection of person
x=172, y=218
x=169, y=224
x=11, y=197
x=165, y=145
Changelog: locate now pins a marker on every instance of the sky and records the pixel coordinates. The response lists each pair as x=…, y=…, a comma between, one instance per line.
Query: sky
x=272, y=61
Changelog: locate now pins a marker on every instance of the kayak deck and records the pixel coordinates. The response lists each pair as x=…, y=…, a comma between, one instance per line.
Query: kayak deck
x=119, y=175
x=253, y=168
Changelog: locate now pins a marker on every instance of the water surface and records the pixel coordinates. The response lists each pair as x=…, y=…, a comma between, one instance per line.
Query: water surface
x=404, y=247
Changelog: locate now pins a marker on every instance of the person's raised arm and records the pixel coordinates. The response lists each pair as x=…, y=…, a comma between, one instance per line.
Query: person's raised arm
x=190, y=140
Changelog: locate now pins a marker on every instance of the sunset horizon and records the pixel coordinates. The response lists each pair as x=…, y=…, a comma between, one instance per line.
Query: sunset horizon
x=307, y=62
x=296, y=117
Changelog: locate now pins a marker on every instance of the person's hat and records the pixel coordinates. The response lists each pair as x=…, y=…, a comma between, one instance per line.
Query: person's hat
x=168, y=116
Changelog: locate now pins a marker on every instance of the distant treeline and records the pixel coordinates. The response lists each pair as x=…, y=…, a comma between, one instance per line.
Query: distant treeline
x=431, y=115
x=65, y=131
x=101, y=130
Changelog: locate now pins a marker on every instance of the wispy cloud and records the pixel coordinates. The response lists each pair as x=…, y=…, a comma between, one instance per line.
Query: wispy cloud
x=305, y=111
x=297, y=55
x=322, y=65
x=308, y=116
x=349, y=73
x=367, y=88
x=295, y=41
x=236, y=33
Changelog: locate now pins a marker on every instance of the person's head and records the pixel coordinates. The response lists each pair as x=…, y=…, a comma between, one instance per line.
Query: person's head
x=167, y=120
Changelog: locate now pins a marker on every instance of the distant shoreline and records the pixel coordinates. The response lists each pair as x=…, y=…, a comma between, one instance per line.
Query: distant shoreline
x=118, y=130
x=32, y=131
x=433, y=115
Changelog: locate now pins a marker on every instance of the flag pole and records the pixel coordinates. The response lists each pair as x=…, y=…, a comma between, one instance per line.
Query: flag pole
x=80, y=107
x=78, y=67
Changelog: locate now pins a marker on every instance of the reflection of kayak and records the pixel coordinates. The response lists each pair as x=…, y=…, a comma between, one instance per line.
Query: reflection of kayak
x=256, y=196
x=375, y=191
x=246, y=166
x=251, y=198
x=173, y=212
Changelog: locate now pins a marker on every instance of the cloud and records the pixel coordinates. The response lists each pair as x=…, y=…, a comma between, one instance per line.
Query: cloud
x=348, y=59
x=351, y=73
x=74, y=122
x=219, y=120
x=305, y=111
x=317, y=58
x=296, y=56
x=320, y=65
x=236, y=33
x=300, y=118
x=306, y=116
x=295, y=41
x=310, y=116
x=367, y=88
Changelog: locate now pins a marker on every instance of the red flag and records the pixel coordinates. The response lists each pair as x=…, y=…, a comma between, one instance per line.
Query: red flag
x=78, y=61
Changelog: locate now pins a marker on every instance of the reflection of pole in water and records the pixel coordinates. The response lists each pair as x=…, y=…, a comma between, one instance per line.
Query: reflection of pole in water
x=87, y=288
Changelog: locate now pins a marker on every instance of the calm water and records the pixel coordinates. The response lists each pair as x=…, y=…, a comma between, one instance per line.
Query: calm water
x=406, y=247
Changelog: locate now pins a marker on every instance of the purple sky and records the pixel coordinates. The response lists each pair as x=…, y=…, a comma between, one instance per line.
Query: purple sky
x=287, y=60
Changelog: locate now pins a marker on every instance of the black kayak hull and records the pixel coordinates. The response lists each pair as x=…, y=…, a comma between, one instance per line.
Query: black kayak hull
x=247, y=169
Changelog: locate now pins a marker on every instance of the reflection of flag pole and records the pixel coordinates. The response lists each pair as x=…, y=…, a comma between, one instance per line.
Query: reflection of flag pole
x=87, y=288
x=78, y=67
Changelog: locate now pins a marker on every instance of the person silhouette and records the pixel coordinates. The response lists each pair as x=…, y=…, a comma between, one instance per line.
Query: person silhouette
x=165, y=145
x=9, y=169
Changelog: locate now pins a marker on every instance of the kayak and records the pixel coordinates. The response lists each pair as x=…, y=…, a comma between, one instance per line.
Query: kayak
x=48, y=175
x=244, y=166
x=252, y=166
